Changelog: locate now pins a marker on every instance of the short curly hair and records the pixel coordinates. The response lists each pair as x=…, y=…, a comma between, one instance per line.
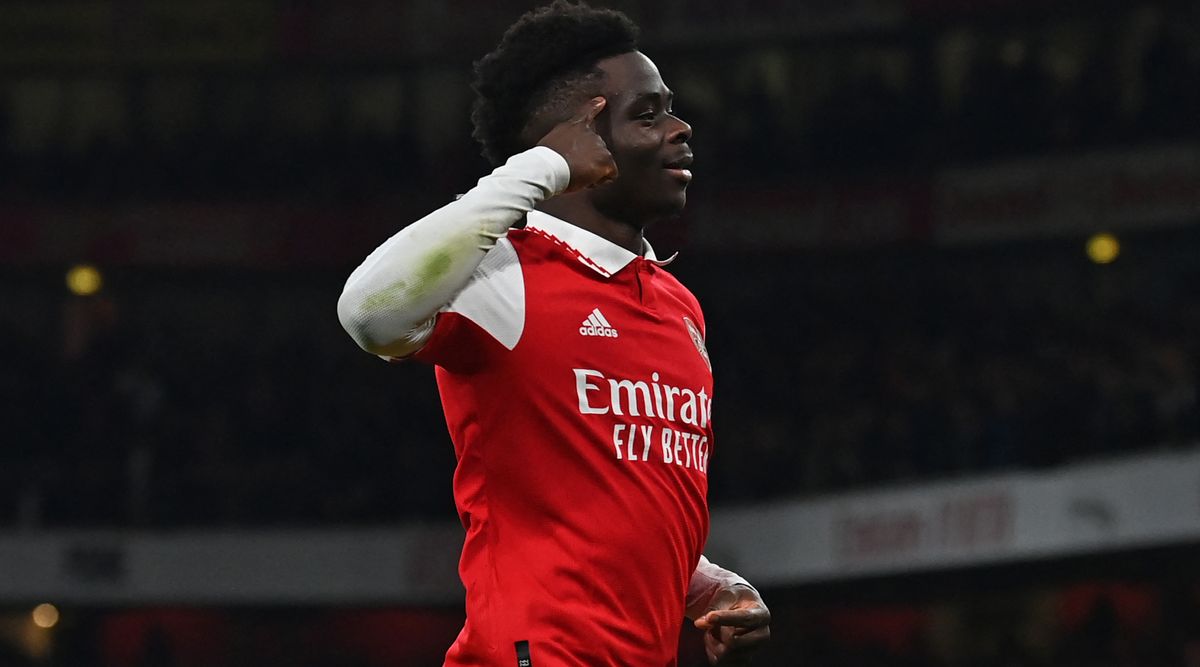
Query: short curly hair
x=547, y=55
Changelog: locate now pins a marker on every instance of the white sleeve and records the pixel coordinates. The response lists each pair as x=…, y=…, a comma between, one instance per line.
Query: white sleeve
x=707, y=580
x=390, y=301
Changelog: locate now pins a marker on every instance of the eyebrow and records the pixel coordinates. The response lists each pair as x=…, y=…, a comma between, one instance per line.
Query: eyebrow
x=654, y=97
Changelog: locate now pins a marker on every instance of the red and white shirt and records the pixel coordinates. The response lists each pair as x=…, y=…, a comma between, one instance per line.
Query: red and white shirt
x=578, y=394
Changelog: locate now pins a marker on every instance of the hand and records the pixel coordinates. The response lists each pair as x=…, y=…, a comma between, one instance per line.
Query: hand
x=585, y=152
x=735, y=626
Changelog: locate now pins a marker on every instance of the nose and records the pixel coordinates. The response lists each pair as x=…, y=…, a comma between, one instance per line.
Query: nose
x=680, y=132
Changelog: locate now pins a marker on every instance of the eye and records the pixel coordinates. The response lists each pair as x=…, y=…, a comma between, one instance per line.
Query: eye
x=649, y=115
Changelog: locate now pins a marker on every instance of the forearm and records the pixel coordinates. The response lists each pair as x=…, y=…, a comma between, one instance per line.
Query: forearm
x=707, y=580
x=390, y=300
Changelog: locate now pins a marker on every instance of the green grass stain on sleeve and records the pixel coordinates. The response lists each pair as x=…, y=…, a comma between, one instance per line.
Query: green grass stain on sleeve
x=433, y=269
x=385, y=297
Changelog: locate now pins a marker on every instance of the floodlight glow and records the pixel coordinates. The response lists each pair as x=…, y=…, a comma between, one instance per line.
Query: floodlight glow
x=45, y=615
x=1103, y=248
x=84, y=280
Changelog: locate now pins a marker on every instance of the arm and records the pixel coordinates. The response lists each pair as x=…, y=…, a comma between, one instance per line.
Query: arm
x=734, y=617
x=391, y=300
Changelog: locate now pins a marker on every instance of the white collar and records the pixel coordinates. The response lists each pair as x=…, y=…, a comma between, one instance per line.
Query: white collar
x=602, y=255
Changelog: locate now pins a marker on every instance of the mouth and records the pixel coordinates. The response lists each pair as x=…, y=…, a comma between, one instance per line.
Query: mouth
x=679, y=167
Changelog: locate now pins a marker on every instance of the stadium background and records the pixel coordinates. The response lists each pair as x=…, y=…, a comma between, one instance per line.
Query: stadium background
x=955, y=427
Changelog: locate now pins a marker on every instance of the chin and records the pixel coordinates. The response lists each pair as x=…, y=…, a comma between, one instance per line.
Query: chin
x=674, y=207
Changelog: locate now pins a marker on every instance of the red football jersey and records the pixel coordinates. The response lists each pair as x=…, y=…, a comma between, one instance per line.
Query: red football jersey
x=578, y=394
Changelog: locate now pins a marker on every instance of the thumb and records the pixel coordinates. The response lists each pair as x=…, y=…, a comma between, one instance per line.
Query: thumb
x=720, y=602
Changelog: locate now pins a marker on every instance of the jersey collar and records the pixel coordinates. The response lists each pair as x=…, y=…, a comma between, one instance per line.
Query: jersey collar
x=602, y=255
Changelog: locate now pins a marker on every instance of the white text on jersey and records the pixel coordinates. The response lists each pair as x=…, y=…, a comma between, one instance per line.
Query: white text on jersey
x=638, y=398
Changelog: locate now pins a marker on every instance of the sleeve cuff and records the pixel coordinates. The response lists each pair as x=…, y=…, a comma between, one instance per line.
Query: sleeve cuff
x=555, y=165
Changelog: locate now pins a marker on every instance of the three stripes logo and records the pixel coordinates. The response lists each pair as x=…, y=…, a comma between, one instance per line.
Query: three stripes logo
x=596, y=325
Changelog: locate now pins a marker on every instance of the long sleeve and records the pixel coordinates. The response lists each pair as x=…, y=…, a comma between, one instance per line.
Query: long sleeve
x=391, y=300
x=707, y=580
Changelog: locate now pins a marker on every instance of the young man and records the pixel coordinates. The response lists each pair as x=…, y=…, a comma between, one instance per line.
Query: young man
x=572, y=367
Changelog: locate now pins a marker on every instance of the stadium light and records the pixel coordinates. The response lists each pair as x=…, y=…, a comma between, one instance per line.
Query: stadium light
x=45, y=615
x=84, y=280
x=1103, y=248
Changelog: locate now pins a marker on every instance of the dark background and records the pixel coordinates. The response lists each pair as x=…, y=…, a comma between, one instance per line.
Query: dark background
x=226, y=164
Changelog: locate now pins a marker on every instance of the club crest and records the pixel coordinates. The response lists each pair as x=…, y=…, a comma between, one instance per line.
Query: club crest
x=698, y=339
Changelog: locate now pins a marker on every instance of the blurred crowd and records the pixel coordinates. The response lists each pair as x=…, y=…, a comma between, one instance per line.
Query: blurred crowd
x=871, y=370
x=121, y=417
x=778, y=109
x=238, y=400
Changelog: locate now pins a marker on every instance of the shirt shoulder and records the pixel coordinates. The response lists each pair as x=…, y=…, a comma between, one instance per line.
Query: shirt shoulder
x=494, y=297
x=685, y=296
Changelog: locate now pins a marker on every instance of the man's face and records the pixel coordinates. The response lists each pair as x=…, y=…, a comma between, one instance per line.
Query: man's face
x=648, y=142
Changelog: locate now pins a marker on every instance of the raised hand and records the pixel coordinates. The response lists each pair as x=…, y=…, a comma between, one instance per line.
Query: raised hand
x=585, y=152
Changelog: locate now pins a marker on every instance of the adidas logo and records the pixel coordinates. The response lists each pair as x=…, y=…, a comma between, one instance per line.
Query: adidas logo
x=596, y=325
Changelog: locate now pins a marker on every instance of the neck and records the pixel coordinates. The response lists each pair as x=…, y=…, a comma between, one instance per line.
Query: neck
x=577, y=211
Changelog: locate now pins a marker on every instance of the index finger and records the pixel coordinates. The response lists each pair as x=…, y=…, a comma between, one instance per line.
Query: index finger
x=591, y=110
x=738, y=618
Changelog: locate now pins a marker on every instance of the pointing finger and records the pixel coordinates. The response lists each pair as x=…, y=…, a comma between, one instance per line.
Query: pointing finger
x=593, y=109
x=745, y=618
